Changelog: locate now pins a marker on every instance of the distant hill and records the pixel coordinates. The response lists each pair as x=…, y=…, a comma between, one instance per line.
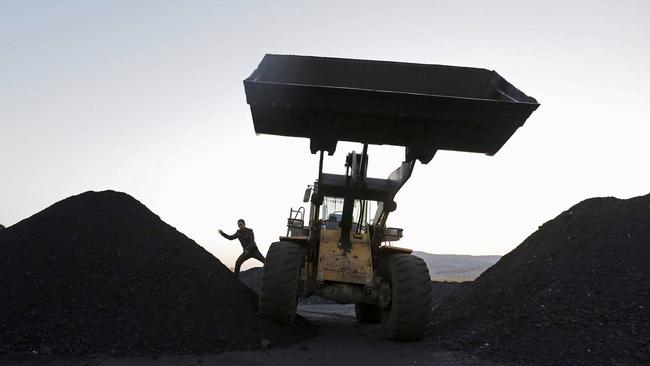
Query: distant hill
x=456, y=267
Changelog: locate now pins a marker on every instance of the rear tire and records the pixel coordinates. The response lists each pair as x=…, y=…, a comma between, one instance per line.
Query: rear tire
x=406, y=317
x=367, y=313
x=278, y=298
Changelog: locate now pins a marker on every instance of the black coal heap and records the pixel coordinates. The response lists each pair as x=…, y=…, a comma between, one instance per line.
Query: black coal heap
x=577, y=291
x=99, y=272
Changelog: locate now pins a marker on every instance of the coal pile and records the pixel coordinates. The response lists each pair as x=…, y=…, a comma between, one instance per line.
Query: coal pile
x=252, y=278
x=577, y=291
x=442, y=290
x=100, y=273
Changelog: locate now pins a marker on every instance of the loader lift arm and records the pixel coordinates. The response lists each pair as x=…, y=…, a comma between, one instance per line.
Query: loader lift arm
x=356, y=185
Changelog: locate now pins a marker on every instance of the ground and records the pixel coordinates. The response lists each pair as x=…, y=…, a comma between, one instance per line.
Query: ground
x=341, y=341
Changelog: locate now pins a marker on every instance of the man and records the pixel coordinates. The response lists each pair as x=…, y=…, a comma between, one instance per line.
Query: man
x=247, y=240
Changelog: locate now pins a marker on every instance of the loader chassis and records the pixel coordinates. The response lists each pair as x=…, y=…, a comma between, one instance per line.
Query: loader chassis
x=334, y=264
x=342, y=258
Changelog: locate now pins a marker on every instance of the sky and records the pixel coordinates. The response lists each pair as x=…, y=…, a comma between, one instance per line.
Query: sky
x=146, y=97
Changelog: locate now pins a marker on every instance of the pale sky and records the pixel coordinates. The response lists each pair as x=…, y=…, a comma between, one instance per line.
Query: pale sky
x=146, y=97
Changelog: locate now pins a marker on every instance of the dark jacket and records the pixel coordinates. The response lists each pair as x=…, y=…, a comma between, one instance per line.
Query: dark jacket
x=246, y=238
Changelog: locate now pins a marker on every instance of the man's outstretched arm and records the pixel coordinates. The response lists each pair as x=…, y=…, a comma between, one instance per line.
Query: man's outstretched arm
x=229, y=237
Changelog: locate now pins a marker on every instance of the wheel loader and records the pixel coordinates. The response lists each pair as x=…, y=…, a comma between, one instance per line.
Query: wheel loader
x=342, y=249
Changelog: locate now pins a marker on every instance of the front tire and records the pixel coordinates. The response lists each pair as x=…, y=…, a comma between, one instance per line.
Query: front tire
x=278, y=298
x=406, y=317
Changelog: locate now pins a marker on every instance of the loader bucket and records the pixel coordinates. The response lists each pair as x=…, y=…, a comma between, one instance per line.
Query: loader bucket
x=423, y=107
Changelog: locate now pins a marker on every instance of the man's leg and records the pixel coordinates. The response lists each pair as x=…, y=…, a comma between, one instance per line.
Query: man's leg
x=257, y=255
x=242, y=258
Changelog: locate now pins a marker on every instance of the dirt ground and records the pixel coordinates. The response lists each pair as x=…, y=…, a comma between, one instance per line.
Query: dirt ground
x=341, y=341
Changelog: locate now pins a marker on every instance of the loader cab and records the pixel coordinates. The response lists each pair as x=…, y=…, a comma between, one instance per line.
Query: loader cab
x=333, y=220
x=331, y=214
